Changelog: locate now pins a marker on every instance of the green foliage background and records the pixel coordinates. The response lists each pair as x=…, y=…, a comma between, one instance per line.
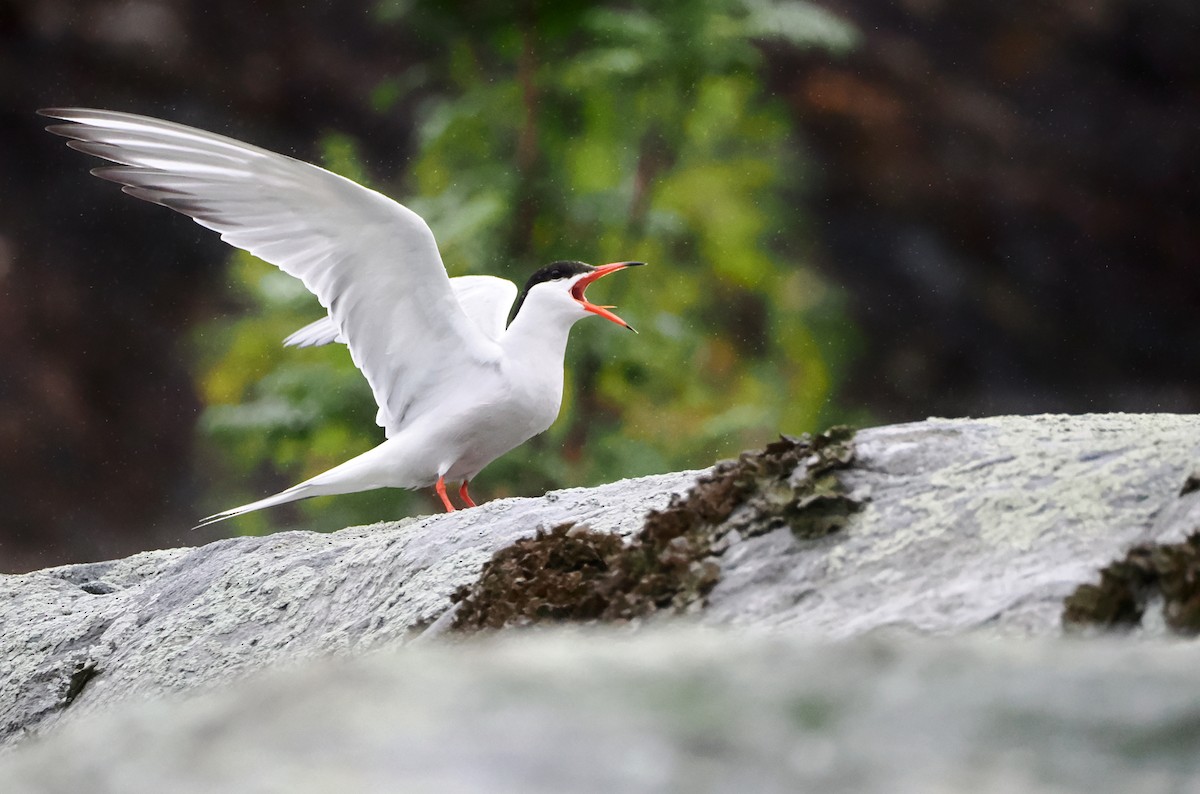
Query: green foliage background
x=599, y=132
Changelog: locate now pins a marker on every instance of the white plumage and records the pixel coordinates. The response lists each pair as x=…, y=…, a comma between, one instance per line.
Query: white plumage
x=484, y=299
x=455, y=387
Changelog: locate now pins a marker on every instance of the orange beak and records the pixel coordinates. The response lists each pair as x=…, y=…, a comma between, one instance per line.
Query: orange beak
x=598, y=273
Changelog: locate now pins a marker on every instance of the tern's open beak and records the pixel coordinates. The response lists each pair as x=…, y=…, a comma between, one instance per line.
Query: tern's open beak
x=598, y=273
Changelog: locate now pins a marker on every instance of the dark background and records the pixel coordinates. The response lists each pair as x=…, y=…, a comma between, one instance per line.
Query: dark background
x=1009, y=193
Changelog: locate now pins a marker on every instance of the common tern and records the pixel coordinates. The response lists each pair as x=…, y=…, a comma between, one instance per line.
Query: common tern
x=457, y=386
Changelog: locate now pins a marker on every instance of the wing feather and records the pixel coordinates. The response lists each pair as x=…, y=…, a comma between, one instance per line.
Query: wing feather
x=370, y=261
x=486, y=300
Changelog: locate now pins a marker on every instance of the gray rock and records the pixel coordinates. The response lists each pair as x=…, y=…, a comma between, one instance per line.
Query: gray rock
x=84, y=636
x=970, y=524
x=714, y=710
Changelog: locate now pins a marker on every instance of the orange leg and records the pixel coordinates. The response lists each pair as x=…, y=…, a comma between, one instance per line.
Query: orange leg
x=441, y=491
x=466, y=497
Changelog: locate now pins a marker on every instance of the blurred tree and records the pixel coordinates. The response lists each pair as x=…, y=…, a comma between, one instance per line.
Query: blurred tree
x=1010, y=194
x=575, y=131
x=1006, y=192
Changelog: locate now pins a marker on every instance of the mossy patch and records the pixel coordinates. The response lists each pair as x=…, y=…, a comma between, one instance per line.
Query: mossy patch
x=793, y=483
x=80, y=676
x=573, y=573
x=1191, y=484
x=1127, y=586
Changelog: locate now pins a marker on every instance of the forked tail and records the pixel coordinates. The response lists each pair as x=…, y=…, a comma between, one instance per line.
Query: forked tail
x=327, y=484
x=301, y=491
x=372, y=469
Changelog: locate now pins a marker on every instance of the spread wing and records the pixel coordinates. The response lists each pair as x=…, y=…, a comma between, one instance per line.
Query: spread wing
x=370, y=261
x=485, y=299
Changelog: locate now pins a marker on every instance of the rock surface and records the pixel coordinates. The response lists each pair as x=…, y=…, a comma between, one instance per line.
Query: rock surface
x=660, y=711
x=973, y=523
x=966, y=526
x=84, y=636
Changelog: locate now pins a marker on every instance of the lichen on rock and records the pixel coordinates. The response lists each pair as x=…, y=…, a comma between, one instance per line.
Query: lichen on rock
x=573, y=573
x=793, y=482
x=1127, y=587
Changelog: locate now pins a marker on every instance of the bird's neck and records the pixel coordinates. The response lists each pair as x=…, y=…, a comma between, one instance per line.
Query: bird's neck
x=538, y=336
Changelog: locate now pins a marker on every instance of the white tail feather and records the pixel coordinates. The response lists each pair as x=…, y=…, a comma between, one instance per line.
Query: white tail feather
x=301, y=491
x=372, y=469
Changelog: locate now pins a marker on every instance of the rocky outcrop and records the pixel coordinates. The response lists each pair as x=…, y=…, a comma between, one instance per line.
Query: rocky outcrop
x=79, y=638
x=973, y=524
x=934, y=528
x=659, y=711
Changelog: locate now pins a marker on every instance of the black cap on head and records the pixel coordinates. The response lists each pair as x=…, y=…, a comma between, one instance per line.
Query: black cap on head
x=564, y=268
x=554, y=271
